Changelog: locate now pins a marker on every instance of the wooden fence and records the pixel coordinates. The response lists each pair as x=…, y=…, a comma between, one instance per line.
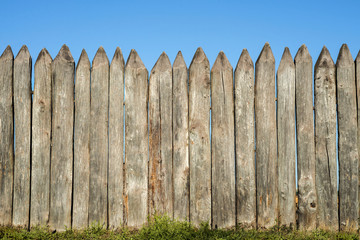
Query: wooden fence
x=115, y=147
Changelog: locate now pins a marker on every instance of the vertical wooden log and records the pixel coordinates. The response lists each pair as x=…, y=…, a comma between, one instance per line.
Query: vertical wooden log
x=80, y=217
x=348, y=153
x=116, y=140
x=286, y=139
x=245, y=139
x=136, y=141
x=62, y=69
x=266, y=140
x=6, y=136
x=99, y=110
x=357, y=73
x=199, y=135
x=325, y=141
x=160, y=138
x=305, y=140
x=41, y=140
x=180, y=139
x=22, y=117
x=222, y=144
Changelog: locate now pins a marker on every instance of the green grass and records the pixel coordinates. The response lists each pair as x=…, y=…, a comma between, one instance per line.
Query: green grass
x=162, y=227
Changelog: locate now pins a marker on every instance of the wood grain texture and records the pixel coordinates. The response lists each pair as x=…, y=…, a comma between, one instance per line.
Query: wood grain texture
x=357, y=74
x=62, y=68
x=80, y=216
x=6, y=136
x=180, y=139
x=307, y=205
x=99, y=114
x=199, y=137
x=325, y=141
x=348, y=152
x=286, y=139
x=222, y=144
x=22, y=120
x=245, y=141
x=266, y=140
x=116, y=141
x=136, y=141
x=41, y=141
x=160, y=138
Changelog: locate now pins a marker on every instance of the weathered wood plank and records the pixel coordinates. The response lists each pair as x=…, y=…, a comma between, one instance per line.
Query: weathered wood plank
x=62, y=69
x=325, y=141
x=180, y=139
x=348, y=152
x=307, y=204
x=80, y=217
x=245, y=139
x=116, y=140
x=199, y=137
x=266, y=140
x=286, y=139
x=357, y=73
x=136, y=141
x=41, y=141
x=222, y=144
x=99, y=114
x=22, y=119
x=160, y=138
x=6, y=136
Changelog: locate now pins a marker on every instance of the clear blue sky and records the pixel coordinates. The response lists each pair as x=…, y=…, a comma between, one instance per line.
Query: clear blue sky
x=151, y=27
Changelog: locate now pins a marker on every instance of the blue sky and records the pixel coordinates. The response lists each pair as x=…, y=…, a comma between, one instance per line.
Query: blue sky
x=151, y=27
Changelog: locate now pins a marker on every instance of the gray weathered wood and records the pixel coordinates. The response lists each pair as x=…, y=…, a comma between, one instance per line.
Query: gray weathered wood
x=22, y=120
x=286, y=139
x=245, y=139
x=199, y=137
x=99, y=115
x=136, y=141
x=80, y=217
x=357, y=74
x=348, y=152
x=116, y=140
x=41, y=140
x=266, y=140
x=325, y=141
x=307, y=204
x=62, y=69
x=160, y=138
x=180, y=139
x=222, y=144
x=6, y=136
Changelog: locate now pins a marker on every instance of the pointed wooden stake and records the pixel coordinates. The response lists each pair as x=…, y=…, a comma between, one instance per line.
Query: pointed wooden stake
x=245, y=139
x=199, y=136
x=80, y=217
x=116, y=141
x=325, y=141
x=22, y=117
x=286, y=139
x=160, y=138
x=136, y=141
x=41, y=140
x=266, y=140
x=222, y=144
x=99, y=110
x=6, y=136
x=180, y=139
x=305, y=140
x=62, y=69
x=348, y=152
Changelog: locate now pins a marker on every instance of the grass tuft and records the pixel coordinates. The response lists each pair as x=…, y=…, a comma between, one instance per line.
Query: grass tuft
x=163, y=227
